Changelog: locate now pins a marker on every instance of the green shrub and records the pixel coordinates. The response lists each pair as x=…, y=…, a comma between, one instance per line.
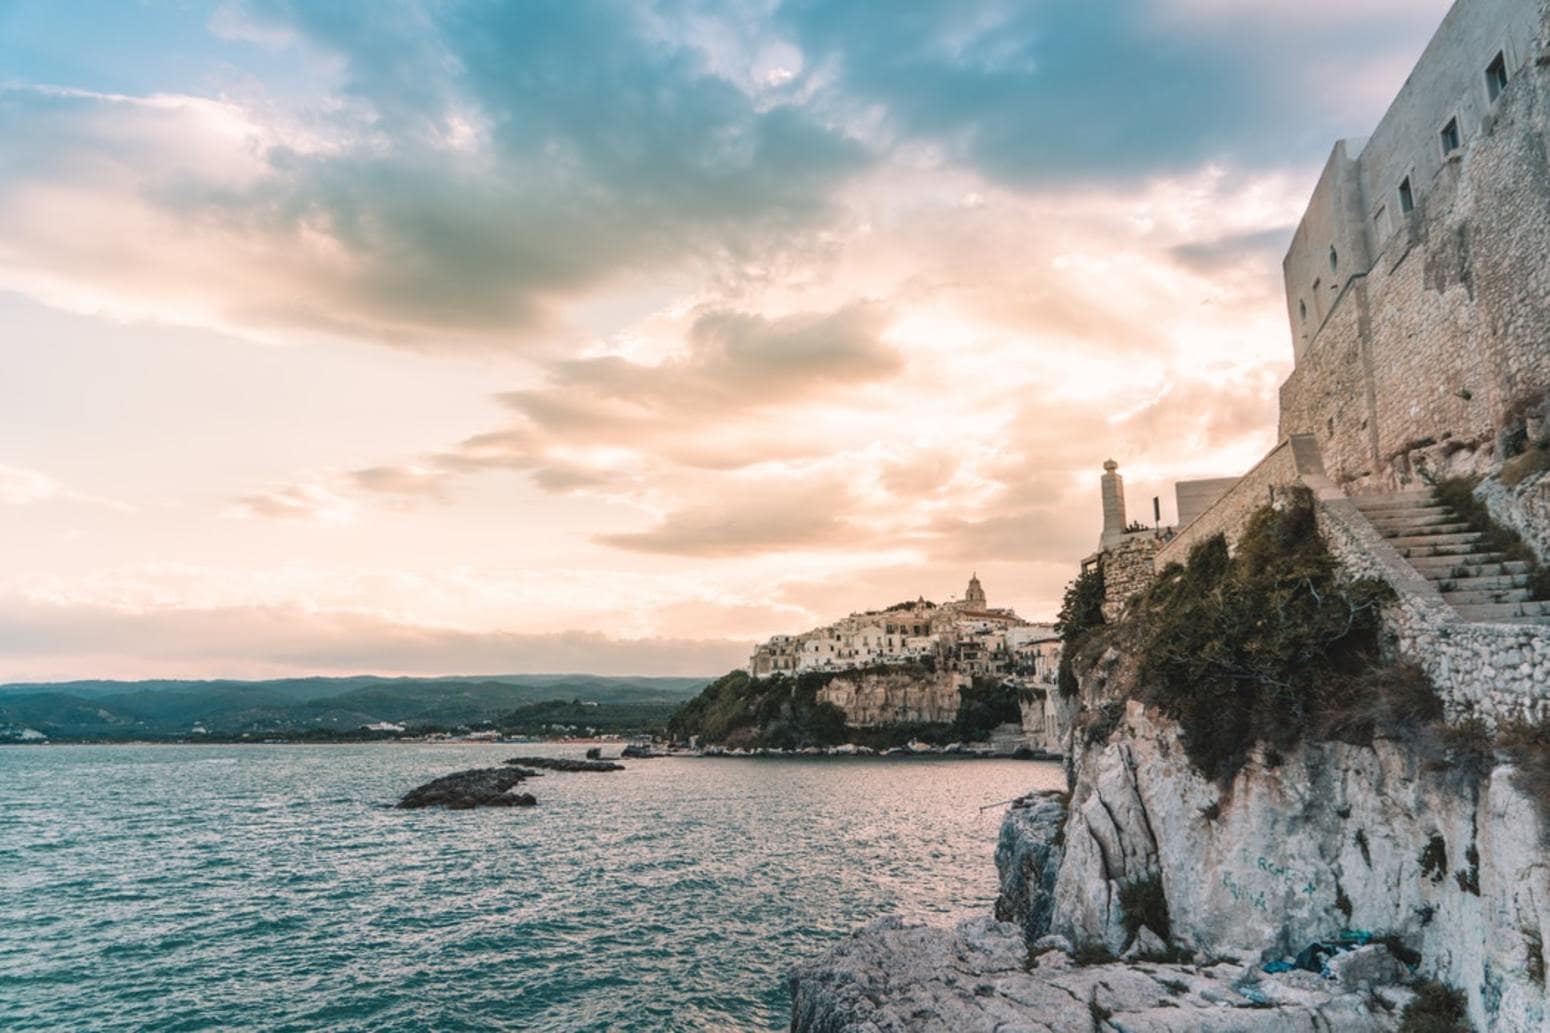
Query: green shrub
x=1434, y=858
x=1093, y=953
x=1081, y=612
x=1145, y=904
x=780, y=712
x=1436, y=1009
x=1528, y=746
x=982, y=705
x=1243, y=649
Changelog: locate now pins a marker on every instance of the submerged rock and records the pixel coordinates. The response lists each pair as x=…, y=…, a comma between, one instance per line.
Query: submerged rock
x=980, y=977
x=480, y=787
x=566, y=764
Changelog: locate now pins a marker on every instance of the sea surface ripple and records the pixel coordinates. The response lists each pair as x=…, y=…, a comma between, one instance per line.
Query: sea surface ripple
x=275, y=888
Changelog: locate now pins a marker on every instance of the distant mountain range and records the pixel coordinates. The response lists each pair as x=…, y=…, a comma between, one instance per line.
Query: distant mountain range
x=161, y=709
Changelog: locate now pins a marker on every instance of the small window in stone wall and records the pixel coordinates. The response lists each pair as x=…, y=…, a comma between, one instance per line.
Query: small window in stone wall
x=1406, y=196
x=1302, y=310
x=1334, y=260
x=1496, y=76
x=1451, y=140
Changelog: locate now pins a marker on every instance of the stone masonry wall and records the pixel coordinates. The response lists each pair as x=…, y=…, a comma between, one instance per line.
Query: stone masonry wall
x=1448, y=334
x=1128, y=569
x=1230, y=515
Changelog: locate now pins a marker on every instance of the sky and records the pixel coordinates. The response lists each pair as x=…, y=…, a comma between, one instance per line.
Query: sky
x=476, y=337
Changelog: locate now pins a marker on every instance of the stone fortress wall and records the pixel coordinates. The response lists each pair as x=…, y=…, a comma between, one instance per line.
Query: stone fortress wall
x=1416, y=284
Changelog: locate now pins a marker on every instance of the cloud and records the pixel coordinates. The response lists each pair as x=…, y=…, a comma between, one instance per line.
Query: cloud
x=21, y=487
x=480, y=168
x=756, y=519
x=310, y=503
x=734, y=363
x=407, y=481
x=1069, y=90
x=54, y=641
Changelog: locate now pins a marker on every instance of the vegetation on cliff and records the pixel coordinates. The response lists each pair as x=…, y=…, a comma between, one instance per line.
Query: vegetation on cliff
x=1081, y=613
x=779, y=711
x=784, y=712
x=1259, y=646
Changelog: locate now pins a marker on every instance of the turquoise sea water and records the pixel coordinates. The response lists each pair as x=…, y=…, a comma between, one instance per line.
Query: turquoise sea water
x=274, y=888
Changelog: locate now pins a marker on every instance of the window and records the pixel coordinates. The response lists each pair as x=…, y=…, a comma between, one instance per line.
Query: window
x=1334, y=260
x=1302, y=310
x=1406, y=197
x=1451, y=141
x=1496, y=76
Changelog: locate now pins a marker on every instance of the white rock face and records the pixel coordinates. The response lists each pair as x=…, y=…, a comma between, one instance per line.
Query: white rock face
x=891, y=977
x=1453, y=865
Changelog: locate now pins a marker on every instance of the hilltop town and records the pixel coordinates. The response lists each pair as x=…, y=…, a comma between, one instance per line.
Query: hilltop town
x=909, y=663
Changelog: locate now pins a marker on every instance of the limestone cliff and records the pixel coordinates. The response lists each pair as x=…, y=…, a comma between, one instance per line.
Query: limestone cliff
x=1449, y=861
x=1446, y=865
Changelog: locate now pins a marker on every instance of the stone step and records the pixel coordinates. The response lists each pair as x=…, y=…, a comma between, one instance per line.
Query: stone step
x=1467, y=553
x=1485, y=597
x=1395, y=501
x=1543, y=622
x=1483, y=564
x=1430, y=517
x=1487, y=583
x=1502, y=611
x=1413, y=509
x=1435, y=540
x=1425, y=530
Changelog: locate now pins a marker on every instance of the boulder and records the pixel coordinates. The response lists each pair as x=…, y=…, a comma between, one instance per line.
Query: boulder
x=1366, y=967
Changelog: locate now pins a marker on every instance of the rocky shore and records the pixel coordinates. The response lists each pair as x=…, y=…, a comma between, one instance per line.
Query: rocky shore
x=980, y=978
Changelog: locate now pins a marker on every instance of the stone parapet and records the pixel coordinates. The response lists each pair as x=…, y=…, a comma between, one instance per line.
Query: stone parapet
x=1286, y=464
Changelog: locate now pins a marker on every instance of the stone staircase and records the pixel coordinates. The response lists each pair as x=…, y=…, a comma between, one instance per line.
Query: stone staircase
x=1481, y=585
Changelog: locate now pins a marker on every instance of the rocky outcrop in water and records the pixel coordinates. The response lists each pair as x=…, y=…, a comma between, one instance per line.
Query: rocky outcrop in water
x=565, y=764
x=480, y=787
x=980, y=978
x=1028, y=856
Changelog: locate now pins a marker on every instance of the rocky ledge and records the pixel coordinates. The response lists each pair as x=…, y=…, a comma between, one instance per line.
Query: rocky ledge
x=480, y=787
x=565, y=764
x=891, y=977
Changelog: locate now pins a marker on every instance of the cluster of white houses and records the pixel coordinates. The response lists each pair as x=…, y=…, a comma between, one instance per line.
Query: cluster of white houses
x=964, y=636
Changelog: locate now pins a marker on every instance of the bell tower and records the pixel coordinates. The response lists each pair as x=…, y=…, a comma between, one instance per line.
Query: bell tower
x=974, y=598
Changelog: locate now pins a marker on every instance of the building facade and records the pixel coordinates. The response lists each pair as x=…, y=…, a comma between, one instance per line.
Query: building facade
x=909, y=662
x=1416, y=284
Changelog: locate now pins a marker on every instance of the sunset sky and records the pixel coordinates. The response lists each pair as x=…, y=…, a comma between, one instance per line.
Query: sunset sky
x=470, y=337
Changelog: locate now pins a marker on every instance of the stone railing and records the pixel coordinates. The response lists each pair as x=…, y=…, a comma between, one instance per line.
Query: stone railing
x=1286, y=465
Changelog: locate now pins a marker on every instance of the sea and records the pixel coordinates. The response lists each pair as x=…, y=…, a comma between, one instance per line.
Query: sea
x=270, y=887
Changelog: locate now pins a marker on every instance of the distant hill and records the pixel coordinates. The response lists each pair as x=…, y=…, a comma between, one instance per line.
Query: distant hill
x=156, y=709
